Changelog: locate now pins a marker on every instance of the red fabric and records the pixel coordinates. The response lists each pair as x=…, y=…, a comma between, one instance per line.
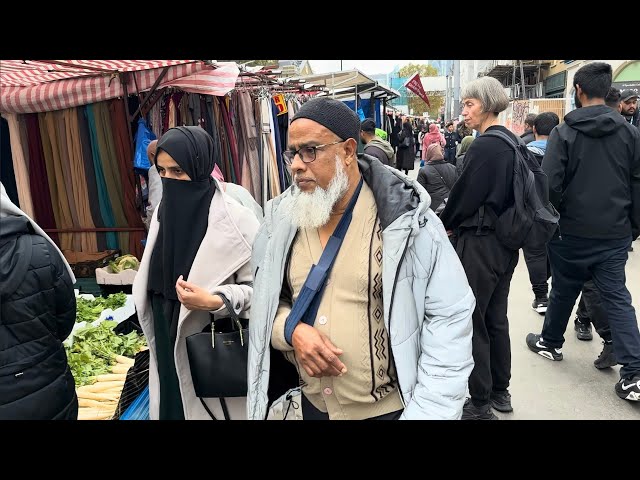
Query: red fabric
x=124, y=154
x=38, y=182
x=232, y=141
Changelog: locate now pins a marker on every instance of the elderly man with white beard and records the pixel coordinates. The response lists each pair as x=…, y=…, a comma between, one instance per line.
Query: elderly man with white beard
x=357, y=286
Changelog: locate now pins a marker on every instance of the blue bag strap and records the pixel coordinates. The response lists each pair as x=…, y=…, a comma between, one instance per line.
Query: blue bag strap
x=306, y=306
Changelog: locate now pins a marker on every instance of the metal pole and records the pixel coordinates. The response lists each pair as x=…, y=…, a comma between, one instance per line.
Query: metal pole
x=456, y=88
x=513, y=80
x=524, y=91
x=446, y=95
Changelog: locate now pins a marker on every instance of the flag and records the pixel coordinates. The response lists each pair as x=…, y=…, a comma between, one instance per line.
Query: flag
x=415, y=85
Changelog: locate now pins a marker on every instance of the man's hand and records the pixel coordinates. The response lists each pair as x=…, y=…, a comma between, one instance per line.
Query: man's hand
x=195, y=298
x=315, y=352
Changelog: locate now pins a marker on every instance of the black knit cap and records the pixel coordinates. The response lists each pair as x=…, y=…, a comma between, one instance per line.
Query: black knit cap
x=332, y=114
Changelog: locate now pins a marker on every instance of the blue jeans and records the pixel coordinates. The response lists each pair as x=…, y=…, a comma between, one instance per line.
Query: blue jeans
x=573, y=261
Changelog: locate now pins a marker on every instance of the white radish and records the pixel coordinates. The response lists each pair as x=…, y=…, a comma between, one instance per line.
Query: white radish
x=124, y=360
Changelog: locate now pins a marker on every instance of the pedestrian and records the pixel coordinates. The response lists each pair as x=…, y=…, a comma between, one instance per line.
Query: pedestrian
x=480, y=195
x=195, y=264
x=387, y=332
x=593, y=165
x=37, y=313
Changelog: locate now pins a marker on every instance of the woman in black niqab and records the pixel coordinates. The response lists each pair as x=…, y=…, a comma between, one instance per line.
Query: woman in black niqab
x=183, y=217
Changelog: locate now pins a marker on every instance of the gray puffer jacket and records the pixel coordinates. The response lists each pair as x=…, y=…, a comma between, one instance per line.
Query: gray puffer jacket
x=427, y=300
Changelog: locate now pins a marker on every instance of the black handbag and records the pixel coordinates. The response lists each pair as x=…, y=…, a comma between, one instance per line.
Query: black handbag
x=218, y=358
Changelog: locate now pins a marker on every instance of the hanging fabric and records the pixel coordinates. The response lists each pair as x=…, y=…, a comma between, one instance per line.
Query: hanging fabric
x=79, y=190
x=110, y=167
x=7, y=174
x=103, y=192
x=278, y=144
x=56, y=176
x=250, y=138
x=235, y=164
x=38, y=178
x=124, y=157
x=155, y=119
x=20, y=165
x=183, y=108
x=257, y=110
x=90, y=174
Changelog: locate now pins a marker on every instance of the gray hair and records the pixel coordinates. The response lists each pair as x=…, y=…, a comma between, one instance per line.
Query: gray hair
x=490, y=93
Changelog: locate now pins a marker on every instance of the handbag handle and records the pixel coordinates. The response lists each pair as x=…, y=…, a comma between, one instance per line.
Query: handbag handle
x=234, y=316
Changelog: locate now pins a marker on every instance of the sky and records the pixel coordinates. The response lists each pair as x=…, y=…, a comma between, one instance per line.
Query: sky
x=370, y=67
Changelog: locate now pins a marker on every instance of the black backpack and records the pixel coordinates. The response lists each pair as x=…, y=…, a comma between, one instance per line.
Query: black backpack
x=532, y=220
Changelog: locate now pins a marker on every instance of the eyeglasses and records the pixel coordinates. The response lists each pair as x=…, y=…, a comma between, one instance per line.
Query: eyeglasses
x=307, y=154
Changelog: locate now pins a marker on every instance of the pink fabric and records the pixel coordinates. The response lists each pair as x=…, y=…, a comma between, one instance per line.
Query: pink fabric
x=217, y=174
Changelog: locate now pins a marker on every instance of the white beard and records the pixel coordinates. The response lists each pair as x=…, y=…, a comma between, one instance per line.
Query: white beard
x=313, y=210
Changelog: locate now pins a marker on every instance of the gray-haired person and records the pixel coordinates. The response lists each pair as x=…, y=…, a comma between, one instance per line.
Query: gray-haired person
x=481, y=194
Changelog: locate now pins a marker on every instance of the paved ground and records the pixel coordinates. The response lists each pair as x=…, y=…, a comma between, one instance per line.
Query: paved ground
x=572, y=388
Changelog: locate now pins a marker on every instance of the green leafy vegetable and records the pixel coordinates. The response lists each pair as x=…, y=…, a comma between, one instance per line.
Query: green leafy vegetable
x=90, y=310
x=94, y=349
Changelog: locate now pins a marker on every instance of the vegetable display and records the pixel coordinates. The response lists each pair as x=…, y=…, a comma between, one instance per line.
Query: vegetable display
x=90, y=310
x=125, y=262
x=95, y=350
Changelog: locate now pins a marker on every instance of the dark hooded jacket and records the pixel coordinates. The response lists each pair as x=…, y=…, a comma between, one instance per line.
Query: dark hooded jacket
x=528, y=136
x=593, y=165
x=37, y=312
x=382, y=150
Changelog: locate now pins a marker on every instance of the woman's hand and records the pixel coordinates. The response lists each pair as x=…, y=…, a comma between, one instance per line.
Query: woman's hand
x=195, y=298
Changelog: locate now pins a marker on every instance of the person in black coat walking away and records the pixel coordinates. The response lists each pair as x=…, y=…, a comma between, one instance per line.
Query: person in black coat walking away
x=395, y=133
x=37, y=313
x=406, y=153
x=481, y=194
x=437, y=177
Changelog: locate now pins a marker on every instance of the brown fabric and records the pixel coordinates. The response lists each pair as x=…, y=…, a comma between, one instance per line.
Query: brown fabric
x=38, y=178
x=249, y=136
x=183, y=108
x=63, y=165
x=55, y=176
x=20, y=165
x=79, y=179
x=111, y=171
x=124, y=156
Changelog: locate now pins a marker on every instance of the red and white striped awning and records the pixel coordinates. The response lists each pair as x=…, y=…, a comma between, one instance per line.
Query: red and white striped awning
x=45, y=85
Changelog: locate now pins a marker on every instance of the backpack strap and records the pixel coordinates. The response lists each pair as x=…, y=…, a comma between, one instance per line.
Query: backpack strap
x=504, y=137
x=509, y=141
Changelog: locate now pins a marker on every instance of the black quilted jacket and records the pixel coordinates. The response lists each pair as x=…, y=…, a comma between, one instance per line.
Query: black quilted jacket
x=37, y=312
